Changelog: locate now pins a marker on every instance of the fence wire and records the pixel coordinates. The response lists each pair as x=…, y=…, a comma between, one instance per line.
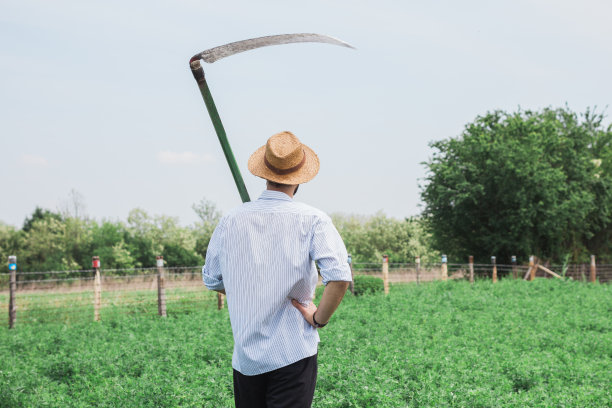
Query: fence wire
x=68, y=296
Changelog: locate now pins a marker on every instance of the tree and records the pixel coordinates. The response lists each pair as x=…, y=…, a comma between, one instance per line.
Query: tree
x=204, y=228
x=39, y=214
x=11, y=242
x=44, y=247
x=74, y=206
x=367, y=238
x=109, y=243
x=522, y=183
x=160, y=235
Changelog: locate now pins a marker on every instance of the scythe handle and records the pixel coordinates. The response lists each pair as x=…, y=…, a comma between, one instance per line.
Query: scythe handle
x=198, y=74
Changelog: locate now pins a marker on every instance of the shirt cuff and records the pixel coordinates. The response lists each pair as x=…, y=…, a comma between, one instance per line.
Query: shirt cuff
x=212, y=283
x=336, y=274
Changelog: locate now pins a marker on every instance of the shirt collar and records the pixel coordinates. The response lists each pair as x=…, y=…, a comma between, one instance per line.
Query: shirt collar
x=274, y=195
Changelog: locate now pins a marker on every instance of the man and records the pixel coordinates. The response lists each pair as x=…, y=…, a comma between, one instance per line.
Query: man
x=262, y=255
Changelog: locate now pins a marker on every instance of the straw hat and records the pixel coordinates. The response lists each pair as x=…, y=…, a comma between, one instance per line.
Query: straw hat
x=284, y=159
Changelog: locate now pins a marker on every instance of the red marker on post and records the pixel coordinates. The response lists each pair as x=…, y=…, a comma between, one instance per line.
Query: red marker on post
x=385, y=272
x=95, y=263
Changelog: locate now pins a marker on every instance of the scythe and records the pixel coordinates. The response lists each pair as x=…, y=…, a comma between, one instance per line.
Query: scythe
x=217, y=53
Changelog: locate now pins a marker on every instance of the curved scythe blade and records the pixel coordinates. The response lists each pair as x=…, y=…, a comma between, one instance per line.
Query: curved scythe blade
x=227, y=50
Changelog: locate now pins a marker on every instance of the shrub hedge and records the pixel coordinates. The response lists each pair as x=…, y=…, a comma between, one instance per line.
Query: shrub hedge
x=367, y=284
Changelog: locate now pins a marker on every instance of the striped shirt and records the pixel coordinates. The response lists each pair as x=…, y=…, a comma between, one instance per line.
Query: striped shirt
x=263, y=254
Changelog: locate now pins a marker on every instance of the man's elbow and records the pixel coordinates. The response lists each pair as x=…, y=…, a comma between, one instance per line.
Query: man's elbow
x=341, y=285
x=212, y=283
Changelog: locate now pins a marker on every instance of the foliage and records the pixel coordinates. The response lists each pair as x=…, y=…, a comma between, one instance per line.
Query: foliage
x=209, y=218
x=46, y=247
x=10, y=240
x=68, y=240
x=109, y=242
x=364, y=284
x=523, y=183
x=52, y=241
x=512, y=344
x=39, y=214
x=154, y=235
x=367, y=238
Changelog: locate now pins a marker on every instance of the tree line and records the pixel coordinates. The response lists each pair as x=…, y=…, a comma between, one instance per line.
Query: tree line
x=66, y=240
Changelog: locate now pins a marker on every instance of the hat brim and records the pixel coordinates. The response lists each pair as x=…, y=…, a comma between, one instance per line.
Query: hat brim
x=304, y=174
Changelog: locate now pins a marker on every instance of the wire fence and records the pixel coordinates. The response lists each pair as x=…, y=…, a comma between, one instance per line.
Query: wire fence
x=71, y=296
x=407, y=272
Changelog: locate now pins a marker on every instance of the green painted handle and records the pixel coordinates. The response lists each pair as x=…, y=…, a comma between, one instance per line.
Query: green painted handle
x=198, y=74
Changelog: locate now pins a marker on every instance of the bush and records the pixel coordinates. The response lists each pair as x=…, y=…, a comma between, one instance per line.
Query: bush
x=367, y=284
x=560, y=203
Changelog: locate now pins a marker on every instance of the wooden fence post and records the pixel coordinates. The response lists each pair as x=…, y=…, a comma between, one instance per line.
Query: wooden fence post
x=385, y=273
x=444, y=267
x=12, y=264
x=532, y=268
x=494, y=262
x=471, y=264
x=352, y=284
x=514, y=268
x=220, y=301
x=593, y=275
x=161, y=286
x=417, y=261
x=95, y=263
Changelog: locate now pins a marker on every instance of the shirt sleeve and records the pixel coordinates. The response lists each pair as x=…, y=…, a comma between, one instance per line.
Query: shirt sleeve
x=211, y=272
x=328, y=250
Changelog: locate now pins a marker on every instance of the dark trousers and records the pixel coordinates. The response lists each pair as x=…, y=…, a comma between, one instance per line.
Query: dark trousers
x=290, y=386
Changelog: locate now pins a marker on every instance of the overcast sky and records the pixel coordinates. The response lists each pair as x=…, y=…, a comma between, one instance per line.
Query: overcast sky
x=98, y=96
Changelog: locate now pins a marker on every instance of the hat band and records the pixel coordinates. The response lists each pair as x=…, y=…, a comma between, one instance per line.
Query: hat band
x=281, y=172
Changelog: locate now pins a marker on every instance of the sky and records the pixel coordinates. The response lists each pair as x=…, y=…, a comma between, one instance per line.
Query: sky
x=97, y=96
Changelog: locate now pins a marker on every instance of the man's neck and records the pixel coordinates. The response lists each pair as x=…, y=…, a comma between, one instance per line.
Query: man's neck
x=289, y=190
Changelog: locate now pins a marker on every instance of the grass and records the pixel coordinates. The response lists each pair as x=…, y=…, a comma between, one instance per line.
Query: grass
x=546, y=343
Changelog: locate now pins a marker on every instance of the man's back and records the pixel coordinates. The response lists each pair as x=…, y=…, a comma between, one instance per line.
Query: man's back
x=263, y=255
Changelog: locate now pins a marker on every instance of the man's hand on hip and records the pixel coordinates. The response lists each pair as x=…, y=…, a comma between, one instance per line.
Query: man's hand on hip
x=307, y=311
x=331, y=298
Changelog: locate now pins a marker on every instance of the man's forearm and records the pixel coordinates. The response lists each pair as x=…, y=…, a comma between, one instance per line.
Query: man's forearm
x=331, y=298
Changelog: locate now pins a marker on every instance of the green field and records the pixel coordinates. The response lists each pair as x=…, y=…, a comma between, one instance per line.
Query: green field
x=546, y=343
